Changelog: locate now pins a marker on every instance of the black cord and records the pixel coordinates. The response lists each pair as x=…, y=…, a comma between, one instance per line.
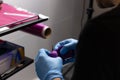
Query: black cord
x=83, y=13
x=82, y=19
x=90, y=10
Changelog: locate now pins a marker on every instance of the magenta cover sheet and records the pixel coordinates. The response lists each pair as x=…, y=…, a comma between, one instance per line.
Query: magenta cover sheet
x=11, y=16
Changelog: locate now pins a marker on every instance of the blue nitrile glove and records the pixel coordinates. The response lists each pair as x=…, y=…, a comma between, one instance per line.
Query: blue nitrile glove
x=48, y=68
x=67, y=45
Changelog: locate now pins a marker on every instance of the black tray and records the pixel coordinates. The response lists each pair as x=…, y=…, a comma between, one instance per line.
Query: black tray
x=25, y=63
x=22, y=26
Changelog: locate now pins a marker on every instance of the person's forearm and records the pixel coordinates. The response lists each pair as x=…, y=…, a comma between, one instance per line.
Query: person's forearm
x=56, y=79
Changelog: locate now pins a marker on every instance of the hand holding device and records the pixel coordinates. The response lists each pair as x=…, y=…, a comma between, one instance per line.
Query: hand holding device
x=65, y=49
x=47, y=67
x=67, y=57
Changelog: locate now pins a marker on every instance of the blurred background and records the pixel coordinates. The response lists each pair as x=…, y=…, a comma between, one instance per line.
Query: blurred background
x=66, y=19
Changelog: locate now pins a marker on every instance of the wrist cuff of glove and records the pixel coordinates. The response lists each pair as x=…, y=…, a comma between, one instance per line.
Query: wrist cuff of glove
x=53, y=74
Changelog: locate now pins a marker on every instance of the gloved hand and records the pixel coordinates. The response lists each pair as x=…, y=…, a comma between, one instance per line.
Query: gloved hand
x=48, y=68
x=67, y=45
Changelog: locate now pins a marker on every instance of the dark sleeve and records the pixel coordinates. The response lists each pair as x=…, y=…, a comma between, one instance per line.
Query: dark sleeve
x=97, y=52
x=86, y=47
x=85, y=51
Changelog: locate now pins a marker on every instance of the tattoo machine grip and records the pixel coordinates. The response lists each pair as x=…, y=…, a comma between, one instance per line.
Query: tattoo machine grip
x=56, y=53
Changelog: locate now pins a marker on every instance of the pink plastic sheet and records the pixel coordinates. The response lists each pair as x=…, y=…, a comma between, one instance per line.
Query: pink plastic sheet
x=11, y=16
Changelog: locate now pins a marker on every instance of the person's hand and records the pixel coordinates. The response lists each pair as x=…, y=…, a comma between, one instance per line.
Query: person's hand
x=66, y=46
x=48, y=68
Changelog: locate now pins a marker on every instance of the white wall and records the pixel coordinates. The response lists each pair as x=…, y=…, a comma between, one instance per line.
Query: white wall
x=64, y=21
